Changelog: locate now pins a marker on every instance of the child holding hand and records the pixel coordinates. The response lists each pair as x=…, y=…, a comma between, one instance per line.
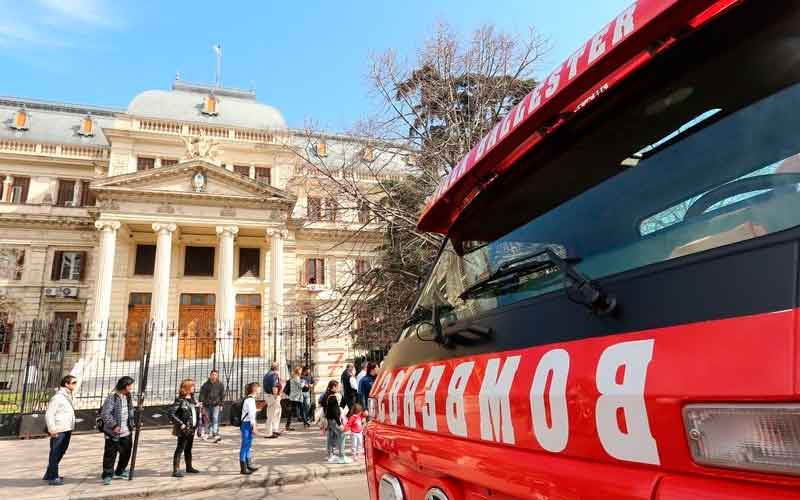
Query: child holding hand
x=355, y=425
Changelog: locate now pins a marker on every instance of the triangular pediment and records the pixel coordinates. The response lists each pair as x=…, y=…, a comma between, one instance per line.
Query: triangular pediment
x=194, y=178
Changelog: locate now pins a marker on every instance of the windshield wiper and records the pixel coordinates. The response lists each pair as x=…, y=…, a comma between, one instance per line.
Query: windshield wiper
x=509, y=273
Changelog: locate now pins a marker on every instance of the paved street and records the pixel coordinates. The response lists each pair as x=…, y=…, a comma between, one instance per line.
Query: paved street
x=343, y=488
x=298, y=457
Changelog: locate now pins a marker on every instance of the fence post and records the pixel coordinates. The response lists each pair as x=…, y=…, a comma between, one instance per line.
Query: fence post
x=143, y=371
x=27, y=370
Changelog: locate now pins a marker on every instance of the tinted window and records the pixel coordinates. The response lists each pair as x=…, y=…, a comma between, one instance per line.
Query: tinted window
x=199, y=261
x=145, y=259
x=685, y=165
x=249, y=262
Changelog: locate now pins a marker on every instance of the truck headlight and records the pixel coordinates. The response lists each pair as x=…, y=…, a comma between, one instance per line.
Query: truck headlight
x=390, y=488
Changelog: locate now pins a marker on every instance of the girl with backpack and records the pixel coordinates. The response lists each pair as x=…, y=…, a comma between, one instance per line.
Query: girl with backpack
x=333, y=415
x=247, y=427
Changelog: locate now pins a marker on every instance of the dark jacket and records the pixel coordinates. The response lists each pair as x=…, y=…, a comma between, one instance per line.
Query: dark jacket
x=180, y=413
x=332, y=410
x=212, y=394
x=364, y=388
x=348, y=393
x=111, y=412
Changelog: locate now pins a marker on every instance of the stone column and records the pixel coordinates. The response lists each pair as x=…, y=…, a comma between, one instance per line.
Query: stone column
x=105, y=271
x=276, y=238
x=226, y=298
x=6, y=194
x=161, y=277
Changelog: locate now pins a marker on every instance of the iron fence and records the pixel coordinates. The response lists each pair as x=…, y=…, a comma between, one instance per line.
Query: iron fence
x=35, y=355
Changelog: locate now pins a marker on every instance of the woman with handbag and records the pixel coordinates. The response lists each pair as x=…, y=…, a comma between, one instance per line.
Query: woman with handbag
x=184, y=416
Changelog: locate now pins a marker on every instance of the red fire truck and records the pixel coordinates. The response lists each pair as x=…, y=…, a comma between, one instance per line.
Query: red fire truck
x=614, y=313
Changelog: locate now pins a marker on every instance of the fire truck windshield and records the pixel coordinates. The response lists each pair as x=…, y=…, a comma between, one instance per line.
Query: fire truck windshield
x=674, y=163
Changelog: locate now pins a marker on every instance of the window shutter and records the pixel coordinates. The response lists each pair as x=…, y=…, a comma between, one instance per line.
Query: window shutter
x=83, y=264
x=55, y=274
x=309, y=270
x=321, y=271
x=25, y=183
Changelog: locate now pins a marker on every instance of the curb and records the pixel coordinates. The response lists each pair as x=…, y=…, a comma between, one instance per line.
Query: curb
x=273, y=478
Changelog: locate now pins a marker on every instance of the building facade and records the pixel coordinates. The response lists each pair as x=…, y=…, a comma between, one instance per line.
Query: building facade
x=192, y=206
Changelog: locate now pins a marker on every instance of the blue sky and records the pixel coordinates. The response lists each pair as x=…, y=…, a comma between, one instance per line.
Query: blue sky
x=309, y=59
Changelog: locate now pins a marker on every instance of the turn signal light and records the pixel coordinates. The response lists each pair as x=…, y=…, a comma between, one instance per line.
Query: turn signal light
x=755, y=437
x=372, y=407
x=389, y=488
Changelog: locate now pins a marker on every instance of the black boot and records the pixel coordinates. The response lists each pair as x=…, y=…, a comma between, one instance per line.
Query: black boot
x=243, y=468
x=250, y=465
x=189, y=468
x=176, y=468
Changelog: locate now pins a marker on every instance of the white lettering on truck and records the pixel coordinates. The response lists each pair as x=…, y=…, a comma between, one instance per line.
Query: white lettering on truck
x=429, y=408
x=409, y=413
x=454, y=411
x=495, y=407
x=621, y=417
x=637, y=444
x=551, y=437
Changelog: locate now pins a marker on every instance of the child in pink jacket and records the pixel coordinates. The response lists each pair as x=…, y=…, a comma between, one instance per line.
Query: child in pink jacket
x=355, y=425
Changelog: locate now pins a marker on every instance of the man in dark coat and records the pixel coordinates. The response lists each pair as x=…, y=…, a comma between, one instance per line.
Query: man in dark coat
x=212, y=394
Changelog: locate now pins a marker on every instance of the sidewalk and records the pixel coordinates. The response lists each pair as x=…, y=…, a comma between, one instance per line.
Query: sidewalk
x=295, y=457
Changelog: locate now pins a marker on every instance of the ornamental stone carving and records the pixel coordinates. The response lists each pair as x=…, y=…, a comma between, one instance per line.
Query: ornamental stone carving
x=160, y=227
x=277, y=233
x=227, y=230
x=200, y=148
x=107, y=225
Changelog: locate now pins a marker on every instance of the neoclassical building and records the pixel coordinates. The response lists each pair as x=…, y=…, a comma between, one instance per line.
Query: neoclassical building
x=194, y=204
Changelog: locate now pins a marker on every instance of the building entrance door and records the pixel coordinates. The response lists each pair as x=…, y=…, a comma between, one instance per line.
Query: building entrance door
x=138, y=318
x=196, y=326
x=248, y=325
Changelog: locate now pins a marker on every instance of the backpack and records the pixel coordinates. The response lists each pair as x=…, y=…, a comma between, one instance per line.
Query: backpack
x=99, y=424
x=236, y=413
x=287, y=389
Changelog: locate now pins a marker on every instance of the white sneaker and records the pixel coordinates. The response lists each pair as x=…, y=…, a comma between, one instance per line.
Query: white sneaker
x=343, y=460
x=332, y=458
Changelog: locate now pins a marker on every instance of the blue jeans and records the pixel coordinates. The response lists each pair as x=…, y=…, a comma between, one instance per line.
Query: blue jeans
x=247, y=440
x=58, y=446
x=213, y=420
x=335, y=438
x=307, y=407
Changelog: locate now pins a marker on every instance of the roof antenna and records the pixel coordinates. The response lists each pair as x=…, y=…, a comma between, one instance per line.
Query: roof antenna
x=218, y=51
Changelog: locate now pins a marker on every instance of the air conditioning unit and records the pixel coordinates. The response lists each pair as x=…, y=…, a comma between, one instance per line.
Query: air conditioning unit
x=69, y=291
x=51, y=292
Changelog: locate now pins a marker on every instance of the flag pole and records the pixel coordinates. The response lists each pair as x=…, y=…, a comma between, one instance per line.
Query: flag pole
x=218, y=51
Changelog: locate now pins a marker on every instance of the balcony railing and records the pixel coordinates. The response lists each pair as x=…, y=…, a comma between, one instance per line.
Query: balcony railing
x=64, y=151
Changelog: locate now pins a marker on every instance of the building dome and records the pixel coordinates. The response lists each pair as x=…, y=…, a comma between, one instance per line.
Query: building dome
x=190, y=103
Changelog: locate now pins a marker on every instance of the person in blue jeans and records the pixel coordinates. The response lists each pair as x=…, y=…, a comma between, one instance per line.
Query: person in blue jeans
x=212, y=394
x=60, y=419
x=248, y=427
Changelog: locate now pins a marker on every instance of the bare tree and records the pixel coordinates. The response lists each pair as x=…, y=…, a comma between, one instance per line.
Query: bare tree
x=432, y=110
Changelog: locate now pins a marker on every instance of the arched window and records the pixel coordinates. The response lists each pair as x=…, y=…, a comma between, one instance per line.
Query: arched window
x=21, y=120
x=210, y=105
x=87, y=126
x=368, y=154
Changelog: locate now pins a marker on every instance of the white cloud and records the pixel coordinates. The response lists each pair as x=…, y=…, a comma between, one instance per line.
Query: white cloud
x=52, y=23
x=87, y=12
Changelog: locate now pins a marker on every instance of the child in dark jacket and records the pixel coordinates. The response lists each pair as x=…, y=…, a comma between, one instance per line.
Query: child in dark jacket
x=333, y=415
